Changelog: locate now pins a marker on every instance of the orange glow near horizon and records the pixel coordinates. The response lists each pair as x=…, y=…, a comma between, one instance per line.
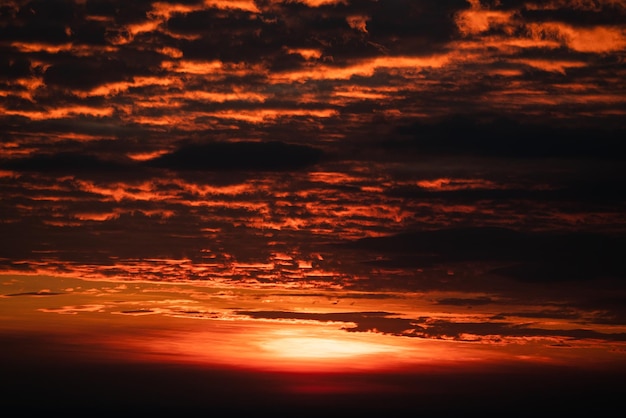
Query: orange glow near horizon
x=196, y=324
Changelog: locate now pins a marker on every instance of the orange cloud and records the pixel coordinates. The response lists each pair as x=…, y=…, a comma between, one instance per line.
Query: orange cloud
x=192, y=67
x=170, y=52
x=315, y=3
x=120, y=191
x=94, y=216
x=78, y=50
x=219, y=97
x=262, y=115
x=245, y=5
x=364, y=93
x=333, y=177
x=358, y=22
x=362, y=68
x=485, y=48
x=478, y=19
x=61, y=112
x=308, y=54
x=599, y=39
x=26, y=88
x=144, y=156
x=112, y=89
x=456, y=184
x=163, y=11
x=206, y=190
x=558, y=66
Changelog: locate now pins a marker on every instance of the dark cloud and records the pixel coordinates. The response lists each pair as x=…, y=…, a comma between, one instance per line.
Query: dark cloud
x=425, y=327
x=558, y=270
x=602, y=191
x=67, y=235
x=234, y=36
x=535, y=257
x=38, y=21
x=365, y=321
x=64, y=163
x=504, y=137
x=577, y=13
x=405, y=26
x=14, y=68
x=94, y=126
x=560, y=313
x=483, y=300
x=398, y=27
x=609, y=13
x=40, y=293
x=461, y=330
x=85, y=74
x=229, y=156
x=215, y=22
x=89, y=33
x=137, y=311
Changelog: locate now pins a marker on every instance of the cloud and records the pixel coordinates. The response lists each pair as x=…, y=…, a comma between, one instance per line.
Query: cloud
x=576, y=192
x=434, y=328
x=39, y=293
x=474, y=331
x=399, y=21
x=561, y=313
x=483, y=300
x=63, y=163
x=505, y=137
x=12, y=68
x=215, y=157
x=362, y=321
x=139, y=79
x=88, y=73
x=527, y=256
x=229, y=156
x=38, y=21
x=611, y=14
x=148, y=61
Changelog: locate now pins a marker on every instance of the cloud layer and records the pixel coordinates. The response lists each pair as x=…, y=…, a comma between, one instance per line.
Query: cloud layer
x=449, y=171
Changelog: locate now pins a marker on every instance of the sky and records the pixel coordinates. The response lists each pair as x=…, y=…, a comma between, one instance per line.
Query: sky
x=309, y=205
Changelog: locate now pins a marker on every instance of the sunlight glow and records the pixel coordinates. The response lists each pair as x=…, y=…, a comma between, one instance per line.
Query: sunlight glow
x=322, y=348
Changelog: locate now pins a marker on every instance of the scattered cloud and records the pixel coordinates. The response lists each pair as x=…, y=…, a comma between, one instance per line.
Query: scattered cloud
x=432, y=328
x=449, y=170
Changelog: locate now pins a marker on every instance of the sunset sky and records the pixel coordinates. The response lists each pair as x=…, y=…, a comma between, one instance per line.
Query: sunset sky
x=392, y=204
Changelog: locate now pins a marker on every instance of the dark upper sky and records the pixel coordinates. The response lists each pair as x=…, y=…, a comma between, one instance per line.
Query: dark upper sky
x=336, y=119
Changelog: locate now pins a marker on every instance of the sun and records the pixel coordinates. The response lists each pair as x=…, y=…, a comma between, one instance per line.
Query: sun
x=321, y=348
x=326, y=351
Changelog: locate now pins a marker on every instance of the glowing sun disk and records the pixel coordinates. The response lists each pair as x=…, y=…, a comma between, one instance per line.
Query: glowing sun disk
x=321, y=348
